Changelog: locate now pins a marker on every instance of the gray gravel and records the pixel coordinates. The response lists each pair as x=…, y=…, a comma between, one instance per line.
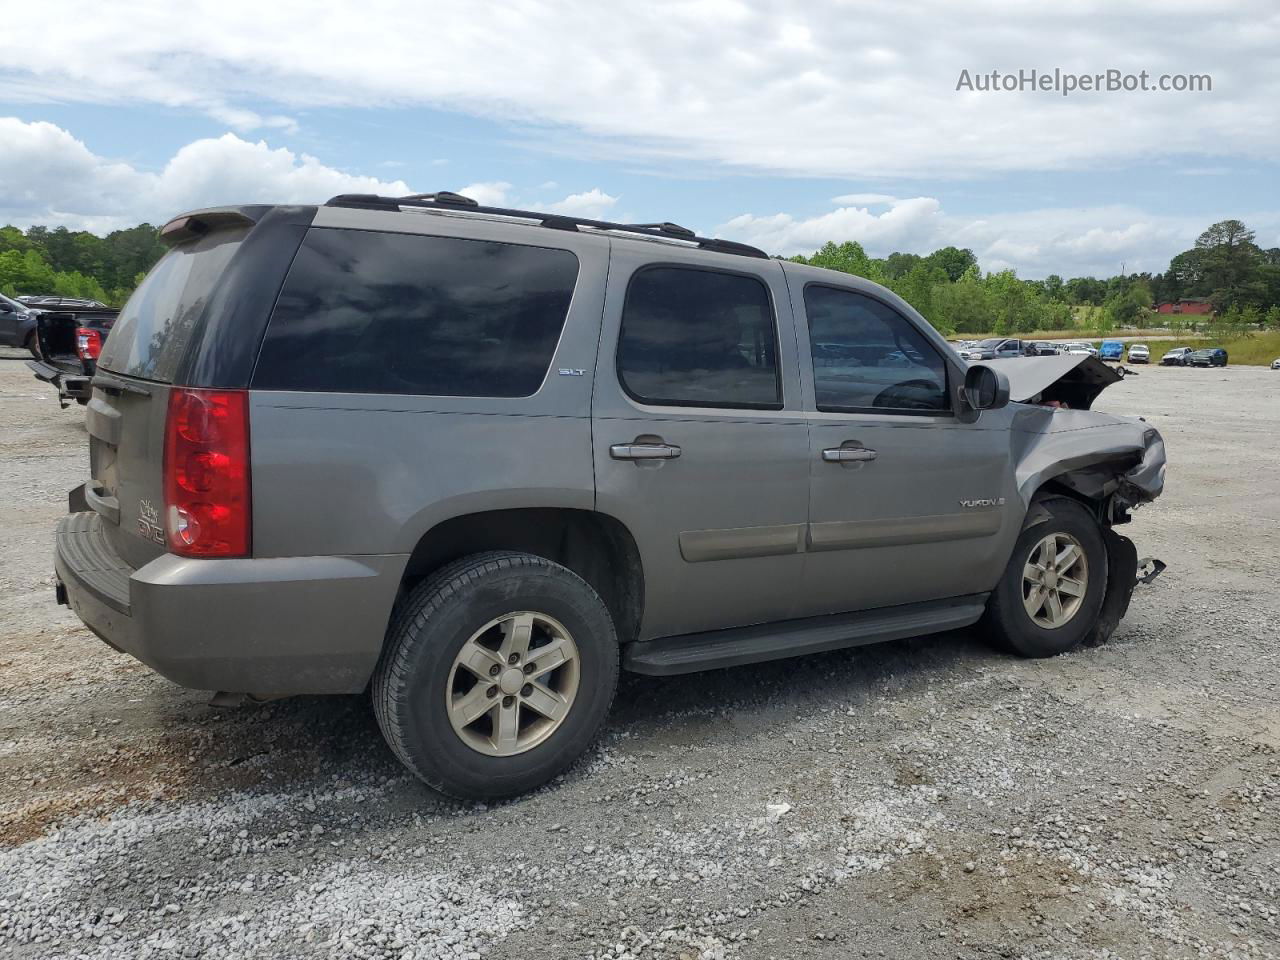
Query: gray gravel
x=928, y=798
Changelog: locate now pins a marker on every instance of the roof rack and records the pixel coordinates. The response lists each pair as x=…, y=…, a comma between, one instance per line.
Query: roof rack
x=454, y=202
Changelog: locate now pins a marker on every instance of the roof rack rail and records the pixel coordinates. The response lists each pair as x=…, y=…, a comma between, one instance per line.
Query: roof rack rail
x=444, y=200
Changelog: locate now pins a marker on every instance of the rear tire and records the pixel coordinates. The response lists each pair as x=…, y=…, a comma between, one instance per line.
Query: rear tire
x=460, y=694
x=1051, y=593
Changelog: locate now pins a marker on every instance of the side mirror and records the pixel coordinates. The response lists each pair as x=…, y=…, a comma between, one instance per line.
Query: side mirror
x=985, y=388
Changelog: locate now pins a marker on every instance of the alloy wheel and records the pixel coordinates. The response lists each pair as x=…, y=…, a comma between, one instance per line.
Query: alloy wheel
x=1055, y=579
x=513, y=683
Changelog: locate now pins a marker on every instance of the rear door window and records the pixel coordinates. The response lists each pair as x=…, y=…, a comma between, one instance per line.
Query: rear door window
x=369, y=312
x=152, y=332
x=699, y=338
x=868, y=357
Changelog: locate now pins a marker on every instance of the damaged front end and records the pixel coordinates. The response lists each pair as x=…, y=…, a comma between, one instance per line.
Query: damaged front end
x=1111, y=463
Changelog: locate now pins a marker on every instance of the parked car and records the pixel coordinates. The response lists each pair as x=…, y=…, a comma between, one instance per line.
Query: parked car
x=65, y=303
x=1111, y=350
x=1275, y=364
x=17, y=324
x=1041, y=348
x=1177, y=357
x=544, y=448
x=1209, y=357
x=1078, y=348
x=993, y=348
x=1139, y=353
x=69, y=340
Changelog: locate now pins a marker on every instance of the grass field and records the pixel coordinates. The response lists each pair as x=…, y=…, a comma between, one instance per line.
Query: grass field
x=1261, y=348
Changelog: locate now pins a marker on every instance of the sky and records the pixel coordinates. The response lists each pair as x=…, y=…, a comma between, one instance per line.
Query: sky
x=779, y=124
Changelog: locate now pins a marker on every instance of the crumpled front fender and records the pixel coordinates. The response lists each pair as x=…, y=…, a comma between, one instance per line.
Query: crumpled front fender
x=1095, y=455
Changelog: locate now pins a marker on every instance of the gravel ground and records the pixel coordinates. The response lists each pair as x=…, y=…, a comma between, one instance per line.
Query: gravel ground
x=928, y=798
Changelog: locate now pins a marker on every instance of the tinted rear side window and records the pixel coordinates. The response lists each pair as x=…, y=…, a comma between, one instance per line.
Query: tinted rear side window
x=366, y=312
x=698, y=338
x=152, y=332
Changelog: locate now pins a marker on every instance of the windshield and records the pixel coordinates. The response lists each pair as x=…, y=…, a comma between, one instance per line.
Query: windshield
x=987, y=344
x=13, y=304
x=155, y=326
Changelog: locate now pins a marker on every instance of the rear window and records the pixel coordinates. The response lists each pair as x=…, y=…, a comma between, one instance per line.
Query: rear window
x=152, y=332
x=698, y=338
x=368, y=312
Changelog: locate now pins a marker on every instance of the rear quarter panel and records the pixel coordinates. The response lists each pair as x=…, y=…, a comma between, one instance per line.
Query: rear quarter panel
x=349, y=474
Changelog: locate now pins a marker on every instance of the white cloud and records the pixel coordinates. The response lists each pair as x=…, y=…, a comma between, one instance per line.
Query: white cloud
x=48, y=176
x=244, y=120
x=862, y=199
x=493, y=194
x=592, y=205
x=1069, y=242
x=824, y=89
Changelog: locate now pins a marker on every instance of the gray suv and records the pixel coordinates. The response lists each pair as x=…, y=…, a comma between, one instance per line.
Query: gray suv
x=477, y=460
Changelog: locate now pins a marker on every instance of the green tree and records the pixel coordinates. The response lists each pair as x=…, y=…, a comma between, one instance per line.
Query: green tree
x=1229, y=262
x=964, y=306
x=953, y=261
x=918, y=287
x=1126, y=308
x=1053, y=287
x=900, y=264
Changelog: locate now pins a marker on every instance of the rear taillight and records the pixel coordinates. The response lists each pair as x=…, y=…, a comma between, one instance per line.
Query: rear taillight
x=206, y=473
x=88, y=343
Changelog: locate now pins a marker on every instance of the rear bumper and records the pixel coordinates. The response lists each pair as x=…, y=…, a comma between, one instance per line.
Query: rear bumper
x=273, y=626
x=73, y=385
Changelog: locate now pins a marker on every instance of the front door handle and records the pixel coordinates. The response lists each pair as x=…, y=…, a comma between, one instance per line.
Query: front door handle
x=848, y=454
x=644, y=451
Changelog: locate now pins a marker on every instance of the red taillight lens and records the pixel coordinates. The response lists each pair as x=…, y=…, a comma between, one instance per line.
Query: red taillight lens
x=206, y=473
x=88, y=343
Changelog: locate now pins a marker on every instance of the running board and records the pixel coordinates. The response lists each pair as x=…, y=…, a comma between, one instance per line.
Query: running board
x=714, y=649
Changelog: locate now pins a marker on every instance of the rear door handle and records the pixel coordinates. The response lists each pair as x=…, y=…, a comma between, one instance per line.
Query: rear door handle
x=848, y=454
x=644, y=451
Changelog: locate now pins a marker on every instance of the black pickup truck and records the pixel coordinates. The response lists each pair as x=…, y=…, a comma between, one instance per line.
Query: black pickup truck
x=69, y=338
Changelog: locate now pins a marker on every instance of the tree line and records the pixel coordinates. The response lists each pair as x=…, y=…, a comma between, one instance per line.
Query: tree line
x=76, y=263
x=1226, y=267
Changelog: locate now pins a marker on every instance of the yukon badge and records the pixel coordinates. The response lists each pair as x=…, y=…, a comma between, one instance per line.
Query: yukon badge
x=985, y=502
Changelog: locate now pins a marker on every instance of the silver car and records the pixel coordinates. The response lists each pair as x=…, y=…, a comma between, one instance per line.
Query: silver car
x=477, y=460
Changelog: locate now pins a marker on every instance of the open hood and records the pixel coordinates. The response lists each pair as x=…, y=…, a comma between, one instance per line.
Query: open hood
x=1074, y=380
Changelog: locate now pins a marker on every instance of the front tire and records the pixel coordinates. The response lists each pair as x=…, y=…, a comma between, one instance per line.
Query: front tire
x=1051, y=593
x=498, y=672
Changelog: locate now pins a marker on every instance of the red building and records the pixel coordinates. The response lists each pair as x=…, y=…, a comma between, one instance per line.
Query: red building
x=1192, y=305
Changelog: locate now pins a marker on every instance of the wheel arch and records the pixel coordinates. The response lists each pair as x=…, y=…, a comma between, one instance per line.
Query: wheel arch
x=1091, y=481
x=596, y=546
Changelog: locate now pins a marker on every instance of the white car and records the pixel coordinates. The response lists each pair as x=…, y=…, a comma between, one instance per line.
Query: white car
x=1275, y=364
x=1079, y=348
x=1139, y=353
